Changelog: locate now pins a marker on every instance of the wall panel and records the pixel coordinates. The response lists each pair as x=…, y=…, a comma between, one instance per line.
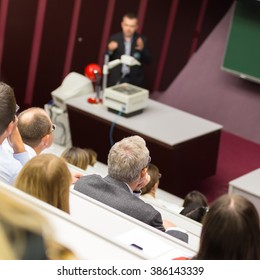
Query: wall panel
x=17, y=45
x=53, y=49
x=215, y=11
x=181, y=40
x=122, y=7
x=88, y=38
x=154, y=29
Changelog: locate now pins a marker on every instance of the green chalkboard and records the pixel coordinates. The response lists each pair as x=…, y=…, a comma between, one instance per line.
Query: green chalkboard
x=242, y=55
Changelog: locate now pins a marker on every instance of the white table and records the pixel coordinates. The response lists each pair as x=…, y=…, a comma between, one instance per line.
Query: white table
x=248, y=186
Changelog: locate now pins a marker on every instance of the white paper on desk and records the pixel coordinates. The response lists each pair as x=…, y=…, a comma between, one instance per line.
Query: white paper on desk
x=171, y=206
x=151, y=246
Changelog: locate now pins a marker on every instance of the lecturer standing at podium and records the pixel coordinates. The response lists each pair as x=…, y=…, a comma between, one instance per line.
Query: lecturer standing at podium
x=131, y=43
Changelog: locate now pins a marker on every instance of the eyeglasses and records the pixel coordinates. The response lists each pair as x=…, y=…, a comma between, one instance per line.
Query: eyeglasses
x=53, y=127
x=17, y=107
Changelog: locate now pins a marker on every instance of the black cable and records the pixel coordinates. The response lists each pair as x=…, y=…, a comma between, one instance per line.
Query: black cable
x=112, y=128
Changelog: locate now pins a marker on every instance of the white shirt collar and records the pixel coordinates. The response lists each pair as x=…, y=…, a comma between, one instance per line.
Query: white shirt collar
x=137, y=194
x=30, y=151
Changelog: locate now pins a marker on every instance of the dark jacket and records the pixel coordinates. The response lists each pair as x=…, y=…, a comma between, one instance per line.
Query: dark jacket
x=136, y=75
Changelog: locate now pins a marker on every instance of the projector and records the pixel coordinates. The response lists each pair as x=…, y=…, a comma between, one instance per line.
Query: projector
x=73, y=85
x=128, y=99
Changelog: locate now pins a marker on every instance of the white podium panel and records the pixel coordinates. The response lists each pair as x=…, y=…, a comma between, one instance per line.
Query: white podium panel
x=248, y=186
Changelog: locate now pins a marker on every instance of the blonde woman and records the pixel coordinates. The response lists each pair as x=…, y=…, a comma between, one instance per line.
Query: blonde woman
x=47, y=178
x=92, y=156
x=25, y=234
x=20, y=227
x=76, y=156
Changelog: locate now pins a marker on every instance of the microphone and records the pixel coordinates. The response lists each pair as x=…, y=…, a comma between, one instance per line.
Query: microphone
x=94, y=72
x=105, y=72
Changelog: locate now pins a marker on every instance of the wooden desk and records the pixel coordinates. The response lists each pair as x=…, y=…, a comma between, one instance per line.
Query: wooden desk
x=183, y=146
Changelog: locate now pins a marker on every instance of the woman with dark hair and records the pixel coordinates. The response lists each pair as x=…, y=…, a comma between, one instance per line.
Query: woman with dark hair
x=195, y=197
x=230, y=230
x=194, y=211
x=195, y=206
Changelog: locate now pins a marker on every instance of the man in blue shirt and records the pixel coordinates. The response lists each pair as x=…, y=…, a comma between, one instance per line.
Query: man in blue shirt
x=10, y=164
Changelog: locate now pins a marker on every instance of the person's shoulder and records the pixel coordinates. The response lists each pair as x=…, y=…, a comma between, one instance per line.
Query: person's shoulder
x=88, y=179
x=8, y=158
x=88, y=182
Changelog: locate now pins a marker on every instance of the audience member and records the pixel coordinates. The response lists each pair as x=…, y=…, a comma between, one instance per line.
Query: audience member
x=195, y=197
x=92, y=154
x=128, y=160
x=36, y=129
x=149, y=191
x=57, y=251
x=230, y=230
x=10, y=164
x=47, y=178
x=194, y=211
x=76, y=156
x=131, y=43
x=25, y=234
x=195, y=206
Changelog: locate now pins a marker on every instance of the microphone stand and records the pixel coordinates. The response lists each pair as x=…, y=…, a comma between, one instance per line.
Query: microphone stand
x=97, y=86
x=105, y=72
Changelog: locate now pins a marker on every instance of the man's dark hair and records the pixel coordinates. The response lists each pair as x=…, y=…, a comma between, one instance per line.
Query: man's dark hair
x=7, y=106
x=131, y=15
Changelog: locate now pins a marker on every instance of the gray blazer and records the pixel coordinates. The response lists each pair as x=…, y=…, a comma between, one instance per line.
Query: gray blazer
x=117, y=195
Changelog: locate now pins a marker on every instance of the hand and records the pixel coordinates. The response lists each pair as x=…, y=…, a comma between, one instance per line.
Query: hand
x=15, y=139
x=167, y=224
x=139, y=44
x=75, y=176
x=113, y=45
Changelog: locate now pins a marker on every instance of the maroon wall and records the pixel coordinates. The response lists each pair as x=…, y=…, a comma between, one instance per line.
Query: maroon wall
x=42, y=41
x=203, y=89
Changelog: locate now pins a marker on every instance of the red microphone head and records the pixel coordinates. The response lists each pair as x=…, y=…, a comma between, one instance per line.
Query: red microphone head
x=92, y=71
